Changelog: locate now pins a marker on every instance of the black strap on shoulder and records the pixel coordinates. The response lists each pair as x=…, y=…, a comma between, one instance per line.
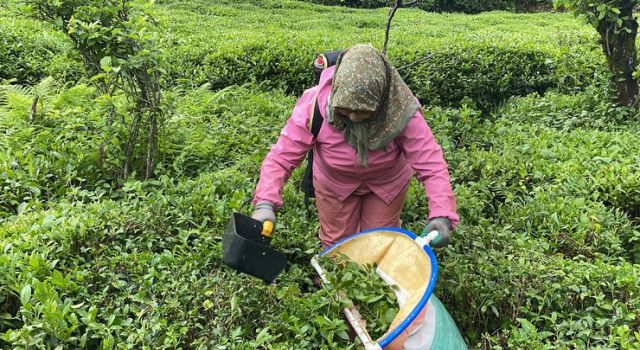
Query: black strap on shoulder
x=307, y=178
x=316, y=121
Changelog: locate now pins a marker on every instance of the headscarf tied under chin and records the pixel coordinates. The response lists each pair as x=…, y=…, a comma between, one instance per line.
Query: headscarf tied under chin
x=364, y=80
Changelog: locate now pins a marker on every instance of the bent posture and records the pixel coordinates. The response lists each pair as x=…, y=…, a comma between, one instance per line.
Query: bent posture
x=373, y=139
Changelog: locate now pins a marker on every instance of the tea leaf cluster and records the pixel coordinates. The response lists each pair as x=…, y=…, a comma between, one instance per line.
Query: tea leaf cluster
x=374, y=299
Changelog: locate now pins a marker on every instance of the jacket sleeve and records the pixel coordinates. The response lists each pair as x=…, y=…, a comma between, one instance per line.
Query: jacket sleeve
x=426, y=158
x=288, y=152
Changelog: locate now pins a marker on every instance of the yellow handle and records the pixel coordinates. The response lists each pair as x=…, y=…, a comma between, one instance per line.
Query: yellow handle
x=267, y=228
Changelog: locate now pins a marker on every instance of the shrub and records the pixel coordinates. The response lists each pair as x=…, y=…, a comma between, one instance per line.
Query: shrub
x=489, y=64
x=113, y=273
x=29, y=51
x=473, y=6
x=354, y=3
x=586, y=165
x=488, y=75
x=61, y=149
x=42, y=160
x=591, y=109
x=571, y=225
x=547, y=187
x=145, y=259
x=504, y=276
x=467, y=6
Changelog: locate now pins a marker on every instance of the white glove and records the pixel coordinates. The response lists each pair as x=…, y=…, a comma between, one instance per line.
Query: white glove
x=265, y=211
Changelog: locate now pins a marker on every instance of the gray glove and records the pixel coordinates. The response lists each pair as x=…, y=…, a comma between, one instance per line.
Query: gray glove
x=265, y=211
x=443, y=226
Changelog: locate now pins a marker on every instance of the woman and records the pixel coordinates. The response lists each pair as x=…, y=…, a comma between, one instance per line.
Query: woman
x=372, y=140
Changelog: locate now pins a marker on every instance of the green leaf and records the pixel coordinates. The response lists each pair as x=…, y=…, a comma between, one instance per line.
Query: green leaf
x=526, y=325
x=25, y=294
x=347, y=277
x=262, y=337
x=98, y=76
x=105, y=61
x=234, y=303
x=375, y=298
x=22, y=207
x=389, y=315
x=601, y=15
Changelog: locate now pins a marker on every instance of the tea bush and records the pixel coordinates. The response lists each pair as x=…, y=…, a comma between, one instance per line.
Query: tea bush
x=537, y=212
x=41, y=160
x=354, y=3
x=29, y=51
x=469, y=6
x=484, y=74
x=488, y=59
x=503, y=276
x=581, y=164
x=572, y=225
x=141, y=264
x=591, y=109
x=138, y=261
x=450, y=5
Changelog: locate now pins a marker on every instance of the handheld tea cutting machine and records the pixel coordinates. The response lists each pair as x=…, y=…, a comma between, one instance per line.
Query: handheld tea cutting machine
x=246, y=248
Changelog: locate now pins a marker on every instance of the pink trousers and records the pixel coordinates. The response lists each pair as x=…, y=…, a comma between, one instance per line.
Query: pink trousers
x=362, y=210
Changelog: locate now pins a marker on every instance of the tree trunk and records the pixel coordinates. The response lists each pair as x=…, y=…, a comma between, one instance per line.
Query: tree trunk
x=110, y=119
x=619, y=48
x=34, y=109
x=133, y=135
x=152, y=146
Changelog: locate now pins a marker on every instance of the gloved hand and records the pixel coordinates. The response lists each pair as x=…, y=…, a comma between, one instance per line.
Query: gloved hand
x=443, y=226
x=265, y=211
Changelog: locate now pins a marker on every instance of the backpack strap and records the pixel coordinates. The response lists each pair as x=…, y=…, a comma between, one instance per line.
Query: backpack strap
x=316, y=120
x=307, y=177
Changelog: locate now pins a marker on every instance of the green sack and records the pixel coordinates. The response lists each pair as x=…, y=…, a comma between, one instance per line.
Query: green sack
x=438, y=332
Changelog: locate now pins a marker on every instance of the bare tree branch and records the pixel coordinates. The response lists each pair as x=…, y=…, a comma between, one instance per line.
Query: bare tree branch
x=392, y=13
x=420, y=60
x=34, y=109
x=398, y=4
x=133, y=135
x=152, y=147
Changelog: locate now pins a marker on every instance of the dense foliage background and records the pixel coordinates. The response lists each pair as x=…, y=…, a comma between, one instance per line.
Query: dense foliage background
x=467, y=6
x=545, y=169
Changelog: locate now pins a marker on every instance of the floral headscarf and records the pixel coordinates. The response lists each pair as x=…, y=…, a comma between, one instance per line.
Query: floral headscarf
x=364, y=80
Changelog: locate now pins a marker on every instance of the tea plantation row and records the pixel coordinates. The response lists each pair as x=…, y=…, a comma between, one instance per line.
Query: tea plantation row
x=487, y=58
x=467, y=6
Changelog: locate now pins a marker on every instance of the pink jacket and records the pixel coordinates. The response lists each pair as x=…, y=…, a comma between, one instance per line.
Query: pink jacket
x=336, y=166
